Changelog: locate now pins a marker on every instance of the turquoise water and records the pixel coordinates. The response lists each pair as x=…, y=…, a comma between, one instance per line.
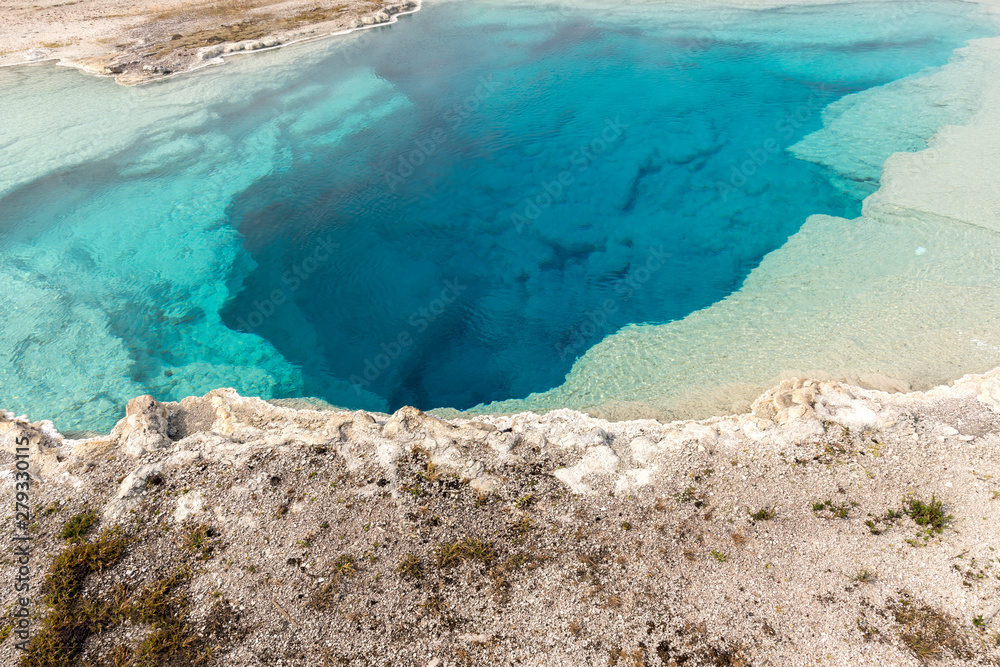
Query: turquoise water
x=442, y=213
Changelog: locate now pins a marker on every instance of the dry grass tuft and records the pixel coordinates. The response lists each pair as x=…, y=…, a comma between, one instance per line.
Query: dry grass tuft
x=450, y=554
x=927, y=632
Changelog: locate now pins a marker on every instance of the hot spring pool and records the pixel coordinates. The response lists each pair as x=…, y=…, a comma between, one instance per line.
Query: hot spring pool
x=448, y=212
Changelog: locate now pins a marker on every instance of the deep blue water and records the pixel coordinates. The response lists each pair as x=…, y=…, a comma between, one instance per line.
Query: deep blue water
x=536, y=197
x=444, y=212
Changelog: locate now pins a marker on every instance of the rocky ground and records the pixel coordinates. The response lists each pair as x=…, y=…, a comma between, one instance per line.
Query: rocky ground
x=830, y=526
x=141, y=40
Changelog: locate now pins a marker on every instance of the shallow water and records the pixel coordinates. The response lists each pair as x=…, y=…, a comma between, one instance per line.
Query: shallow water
x=443, y=213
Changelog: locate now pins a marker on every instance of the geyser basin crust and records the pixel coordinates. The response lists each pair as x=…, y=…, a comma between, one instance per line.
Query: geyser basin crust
x=114, y=314
x=138, y=41
x=537, y=539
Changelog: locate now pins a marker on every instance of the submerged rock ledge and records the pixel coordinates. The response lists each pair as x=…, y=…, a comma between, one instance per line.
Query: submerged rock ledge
x=237, y=531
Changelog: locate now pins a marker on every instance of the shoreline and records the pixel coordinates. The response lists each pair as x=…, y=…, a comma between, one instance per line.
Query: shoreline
x=736, y=536
x=221, y=59
x=64, y=55
x=199, y=47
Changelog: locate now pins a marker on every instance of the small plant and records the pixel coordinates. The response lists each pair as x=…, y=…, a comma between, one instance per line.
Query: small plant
x=878, y=525
x=434, y=605
x=863, y=575
x=763, y=514
x=197, y=539
x=841, y=511
x=929, y=515
x=344, y=566
x=719, y=556
x=324, y=597
x=431, y=474
x=686, y=496
x=926, y=631
x=410, y=567
x=78, y=525
x=468, y=548
x=523, y=501
x=155, y=601
x=978, y=621
x=626, y=525
x=64, y=629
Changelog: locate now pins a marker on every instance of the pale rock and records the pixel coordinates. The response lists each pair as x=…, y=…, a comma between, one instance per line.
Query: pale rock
x=632, y=480
x=188, y=505
x=42, y=441
x=86, y=453
x=597, y=461
x=144, y=428
x=643, y=450
x=130, y=491
x=595, y=437
x=181, y=459
x=210, y=52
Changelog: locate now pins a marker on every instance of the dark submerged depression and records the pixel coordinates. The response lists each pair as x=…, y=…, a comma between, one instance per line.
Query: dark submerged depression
x=545, y=184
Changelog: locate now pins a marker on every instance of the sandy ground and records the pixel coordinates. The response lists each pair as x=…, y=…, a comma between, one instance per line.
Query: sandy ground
x=830, y=526
x=139, y=40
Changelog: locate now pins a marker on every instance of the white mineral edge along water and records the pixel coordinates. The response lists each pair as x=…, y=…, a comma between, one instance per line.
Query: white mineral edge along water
x=906, y=296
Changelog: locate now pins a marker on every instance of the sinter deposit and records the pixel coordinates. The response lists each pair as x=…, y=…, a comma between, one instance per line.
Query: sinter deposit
x=809, y=531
